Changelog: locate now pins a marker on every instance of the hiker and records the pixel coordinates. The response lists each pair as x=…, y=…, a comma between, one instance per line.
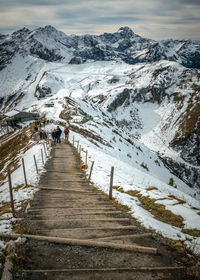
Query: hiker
x=58, y=134
x=66, y=132
x=53, y=134
x=44, y=135
x=41, y=135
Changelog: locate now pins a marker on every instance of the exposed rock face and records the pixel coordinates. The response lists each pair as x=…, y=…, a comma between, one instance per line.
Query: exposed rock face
x=76, y=60
x=190, y=175
x=189, y=146
x=120, y=100
x=10, y=45
x=44, y=53
x=43, y=92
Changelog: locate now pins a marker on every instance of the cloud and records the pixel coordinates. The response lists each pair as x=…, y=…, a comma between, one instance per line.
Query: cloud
x=158, y=19
x=190, y=2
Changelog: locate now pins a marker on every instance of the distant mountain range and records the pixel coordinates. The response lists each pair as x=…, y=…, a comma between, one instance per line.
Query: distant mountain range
x=51, y=45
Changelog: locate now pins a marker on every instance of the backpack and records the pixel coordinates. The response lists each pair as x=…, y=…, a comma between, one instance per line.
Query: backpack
x=66, y=131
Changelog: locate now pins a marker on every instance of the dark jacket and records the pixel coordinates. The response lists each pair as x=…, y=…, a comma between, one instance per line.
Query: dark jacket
x=53, y=134
x=58, y=132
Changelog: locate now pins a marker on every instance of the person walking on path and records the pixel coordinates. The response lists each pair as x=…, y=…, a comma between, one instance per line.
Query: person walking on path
x=58, y=134
x=53, y=134
x=66, y=132
x=41, y=135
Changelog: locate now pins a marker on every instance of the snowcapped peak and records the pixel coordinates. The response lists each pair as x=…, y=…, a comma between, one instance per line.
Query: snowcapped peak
x=50, y=31
x=126, y=31
x=21, y=32
x=50, y=28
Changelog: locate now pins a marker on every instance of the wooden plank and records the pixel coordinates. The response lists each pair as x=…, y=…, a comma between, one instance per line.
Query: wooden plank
x=114, y=237
x=75, y=208
x=63, y=171
x=66, y=190
x=85, y=220
x=79, y=214
x=87, y=243
x=150, y=268
x=92, y=228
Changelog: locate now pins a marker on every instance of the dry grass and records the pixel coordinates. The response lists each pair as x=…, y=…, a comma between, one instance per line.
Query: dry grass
x=158, y=210
x=125, y=209
x=134, y=193
x=11, y=148
x=118, y=188
x=23, y=206
x=179, y=201
x=5, y=208
x=64, y=114
x=152, y=189
x=192, y=232
x=21, y=227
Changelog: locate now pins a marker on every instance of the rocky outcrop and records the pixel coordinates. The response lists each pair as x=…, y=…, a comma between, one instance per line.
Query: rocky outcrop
x=120, y=99
x=43, y=92
x=44, y=53
x=76, y=60
x=189, y=146
x=189, y=174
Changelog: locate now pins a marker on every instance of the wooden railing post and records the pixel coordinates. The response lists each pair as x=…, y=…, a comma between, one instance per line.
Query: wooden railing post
x=25, y=179
x=35, y=164
x=91, y=170
x=45, y=150
x=111, y=182
x=86, y=157
x=11, y=194
x=42, y=156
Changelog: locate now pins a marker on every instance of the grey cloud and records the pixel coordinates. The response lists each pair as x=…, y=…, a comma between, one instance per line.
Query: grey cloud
x=190, y=2
x=81, y=16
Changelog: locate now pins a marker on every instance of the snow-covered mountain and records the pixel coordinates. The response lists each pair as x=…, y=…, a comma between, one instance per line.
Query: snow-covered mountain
x=51, y=45
x=149, y=89
x=131, y=101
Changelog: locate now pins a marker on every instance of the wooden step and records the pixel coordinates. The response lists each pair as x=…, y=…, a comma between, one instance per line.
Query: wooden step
x=136, y=273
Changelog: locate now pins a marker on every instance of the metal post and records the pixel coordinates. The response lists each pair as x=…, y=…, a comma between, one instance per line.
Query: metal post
x=91, y=170
x=35, y=164
x=80, y=150
x=111, y=182
x=11, y=194
x=77, y=144
x=73, y=140
x=24, y=172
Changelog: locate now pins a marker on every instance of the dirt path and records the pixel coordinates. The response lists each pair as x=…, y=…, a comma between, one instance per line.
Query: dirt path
x=87, y=237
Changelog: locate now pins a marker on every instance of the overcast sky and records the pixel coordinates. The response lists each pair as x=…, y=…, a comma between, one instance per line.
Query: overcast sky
x=156, y=19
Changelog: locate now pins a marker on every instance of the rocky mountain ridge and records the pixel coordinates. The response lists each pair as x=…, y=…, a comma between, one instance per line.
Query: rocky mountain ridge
x=51, y=45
